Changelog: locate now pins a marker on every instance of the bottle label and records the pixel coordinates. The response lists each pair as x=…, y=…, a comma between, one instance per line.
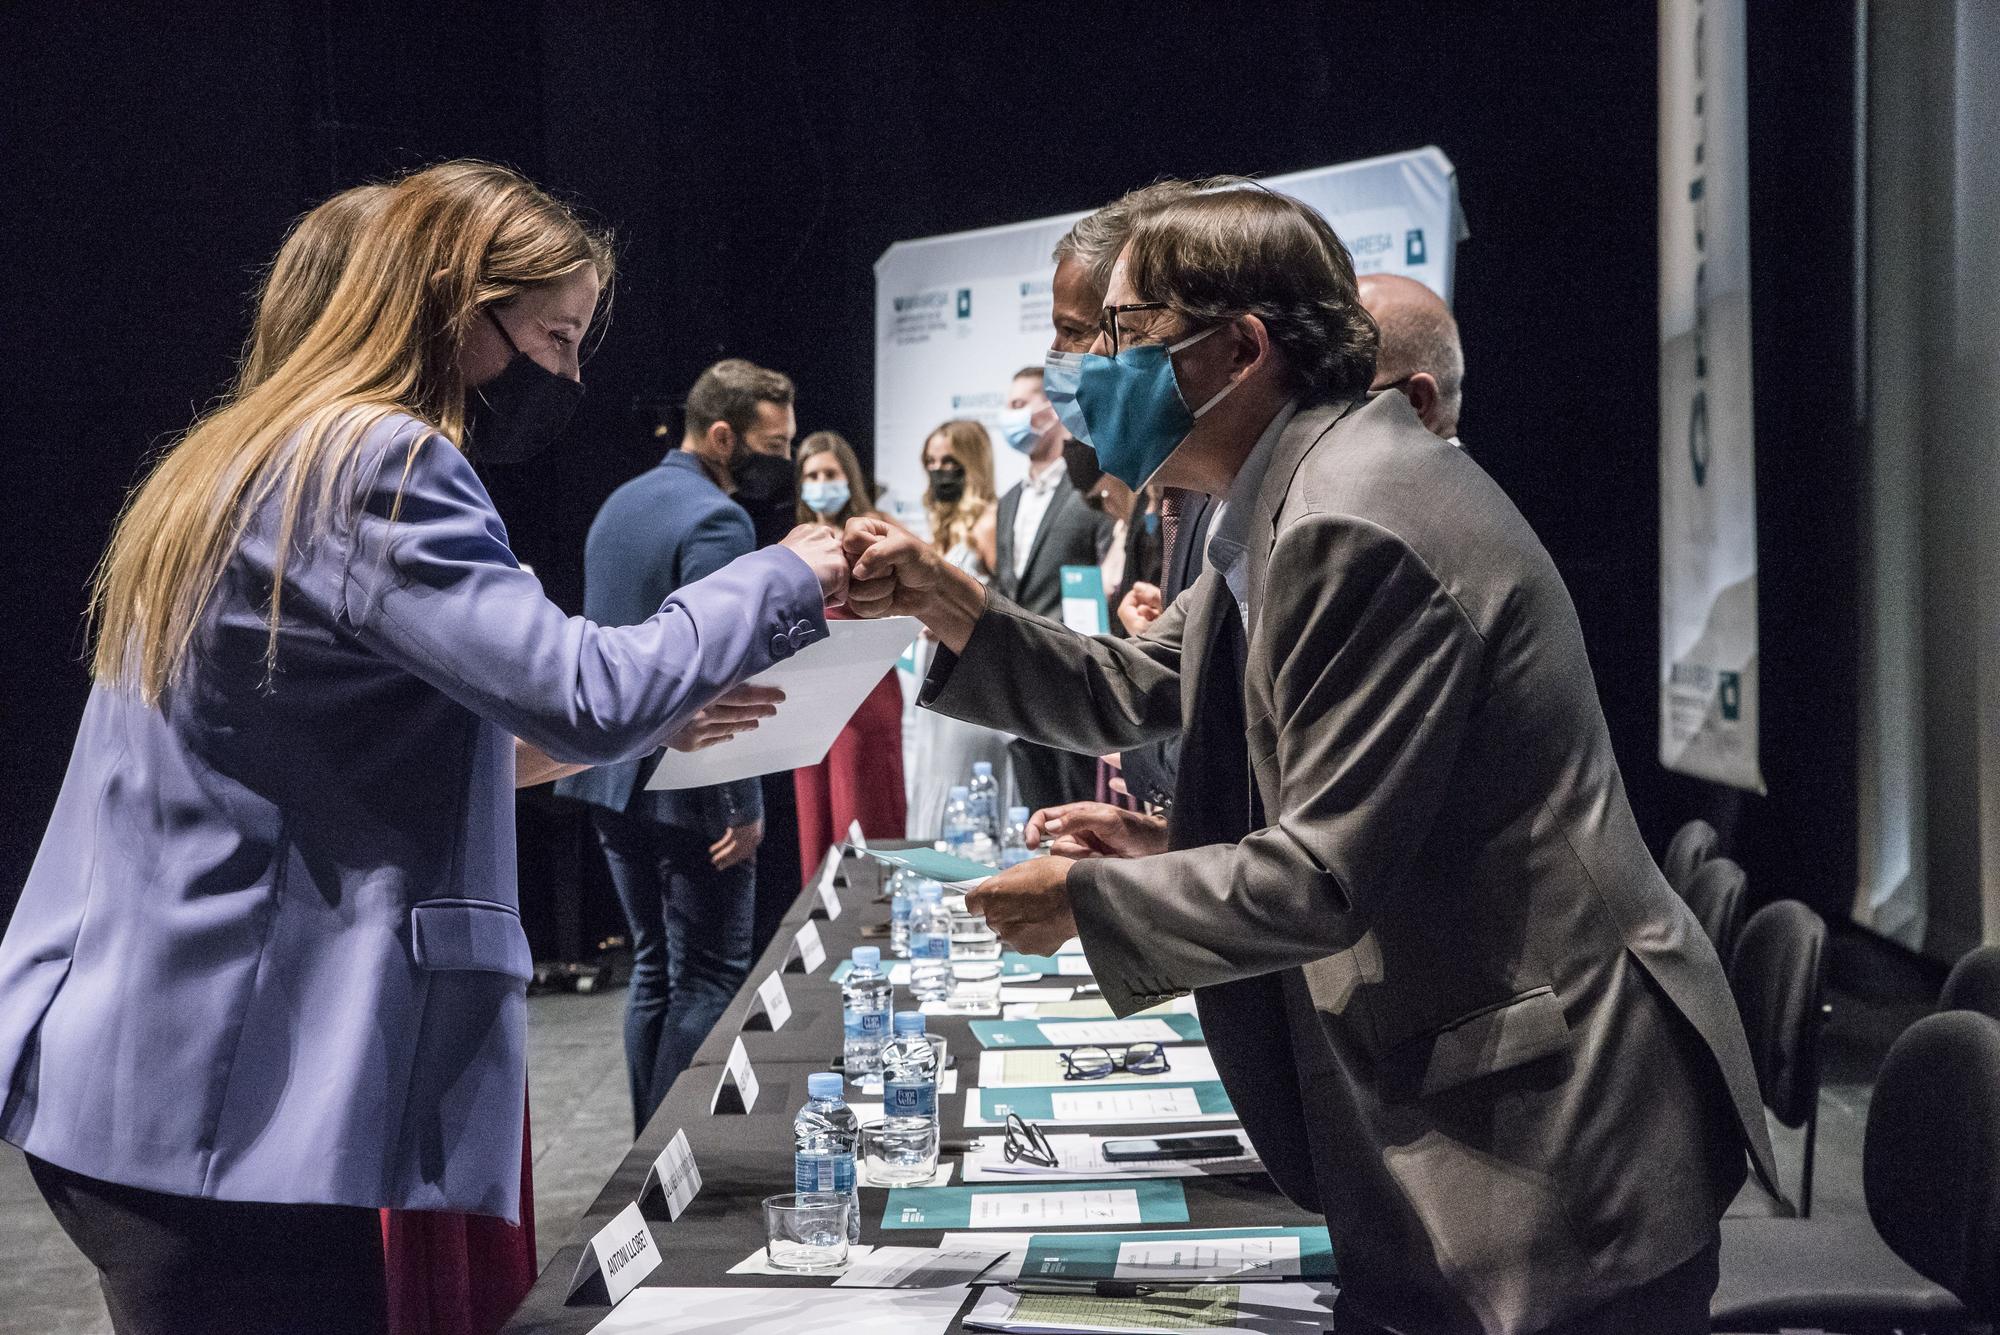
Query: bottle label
x=865, y=1024
x=822, y=1172
x=909, y=1098
x=931, y=946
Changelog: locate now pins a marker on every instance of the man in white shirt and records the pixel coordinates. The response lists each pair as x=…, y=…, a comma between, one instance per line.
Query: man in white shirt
x=1044, y=524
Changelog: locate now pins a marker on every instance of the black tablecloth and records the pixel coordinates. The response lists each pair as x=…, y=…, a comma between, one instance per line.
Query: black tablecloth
x=746, y=1157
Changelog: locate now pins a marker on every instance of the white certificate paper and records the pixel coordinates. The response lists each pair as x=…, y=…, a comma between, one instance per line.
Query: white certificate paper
x=1054, y=1209
x=1119, y=1105
x=1109, y=1031
x=824, y=684
x=1208, y=1258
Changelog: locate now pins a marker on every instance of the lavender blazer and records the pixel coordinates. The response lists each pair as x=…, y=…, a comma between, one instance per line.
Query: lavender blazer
x=270, y=949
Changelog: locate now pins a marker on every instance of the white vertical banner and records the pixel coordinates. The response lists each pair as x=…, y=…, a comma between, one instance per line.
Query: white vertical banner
x=1708, y=494
x=957, y=315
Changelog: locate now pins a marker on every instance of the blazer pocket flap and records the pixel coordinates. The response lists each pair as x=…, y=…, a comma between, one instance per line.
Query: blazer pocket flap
x=470, y=934
x=1492, y=1039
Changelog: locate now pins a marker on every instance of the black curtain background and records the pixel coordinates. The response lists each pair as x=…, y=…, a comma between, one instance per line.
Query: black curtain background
x=755, y=159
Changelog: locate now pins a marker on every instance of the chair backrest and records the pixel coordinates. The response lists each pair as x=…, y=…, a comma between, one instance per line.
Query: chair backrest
x=1974, y=984
x=1693, y=844
x=1716, y=893
x=1930, y=1165
x=1776, y=976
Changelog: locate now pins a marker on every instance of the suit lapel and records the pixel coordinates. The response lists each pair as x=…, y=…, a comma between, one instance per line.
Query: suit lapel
x=1301, y=434
x=1003, y=537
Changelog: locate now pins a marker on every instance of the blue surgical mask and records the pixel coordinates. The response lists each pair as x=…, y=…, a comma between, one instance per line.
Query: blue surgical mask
x=825, y=498
x=1017, y=428
x=1131, y=405
x=1060, y=372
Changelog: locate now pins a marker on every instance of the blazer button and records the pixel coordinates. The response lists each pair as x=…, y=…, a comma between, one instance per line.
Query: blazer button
x=781, y=647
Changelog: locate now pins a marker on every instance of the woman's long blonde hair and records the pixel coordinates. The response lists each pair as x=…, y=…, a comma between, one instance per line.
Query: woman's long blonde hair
x=973, y=448
x=301, y=279
x=445, y=243
x=859, y=500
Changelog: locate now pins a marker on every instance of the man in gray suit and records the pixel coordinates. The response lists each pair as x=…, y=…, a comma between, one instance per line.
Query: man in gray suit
x=1457, y=1006
x=1043, y=525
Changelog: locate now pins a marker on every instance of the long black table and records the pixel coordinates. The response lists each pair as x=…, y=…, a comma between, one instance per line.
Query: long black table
x=745, y=1157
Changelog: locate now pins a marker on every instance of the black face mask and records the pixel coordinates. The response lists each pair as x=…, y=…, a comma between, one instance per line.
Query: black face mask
x=517, y=414
x=763, y=481
x=1080, y=462
x=948, y=485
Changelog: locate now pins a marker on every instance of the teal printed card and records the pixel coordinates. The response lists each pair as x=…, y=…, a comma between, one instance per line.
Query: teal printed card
x=1037, y=1205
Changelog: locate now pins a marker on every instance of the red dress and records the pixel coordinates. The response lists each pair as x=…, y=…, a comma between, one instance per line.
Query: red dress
x=861, y=777
x=459, y=1274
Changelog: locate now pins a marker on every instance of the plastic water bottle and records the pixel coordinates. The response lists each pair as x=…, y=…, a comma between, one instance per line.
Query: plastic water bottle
x=1014, y=840
x=930, y=945
x=909, y=1072
x=865, y=1013
x=983, y=800
x=959, y=831
x=902, y=898
x=825, y=1136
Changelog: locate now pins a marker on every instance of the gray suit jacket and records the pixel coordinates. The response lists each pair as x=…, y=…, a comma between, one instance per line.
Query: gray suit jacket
x=1071, y=534
x=1522, y=1076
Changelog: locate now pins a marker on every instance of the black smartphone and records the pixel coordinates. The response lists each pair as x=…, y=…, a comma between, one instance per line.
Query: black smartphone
x=1151, y=1150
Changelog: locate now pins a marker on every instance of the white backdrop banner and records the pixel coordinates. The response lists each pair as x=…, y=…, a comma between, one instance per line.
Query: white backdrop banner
x=956, y=316
x=1708, y=495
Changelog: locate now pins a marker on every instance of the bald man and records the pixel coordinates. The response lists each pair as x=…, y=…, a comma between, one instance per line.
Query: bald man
x=1420, y=352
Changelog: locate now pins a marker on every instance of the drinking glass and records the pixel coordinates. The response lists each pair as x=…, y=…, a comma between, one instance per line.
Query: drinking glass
x=806, y=1231
x=898, y=1151
x=972, y=939
x=975, y=987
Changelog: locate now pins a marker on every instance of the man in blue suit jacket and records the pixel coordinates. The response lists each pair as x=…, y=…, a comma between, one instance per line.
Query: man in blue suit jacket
x=683, y=862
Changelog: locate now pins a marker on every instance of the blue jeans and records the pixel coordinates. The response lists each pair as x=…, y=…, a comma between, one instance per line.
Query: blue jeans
x=690, y=944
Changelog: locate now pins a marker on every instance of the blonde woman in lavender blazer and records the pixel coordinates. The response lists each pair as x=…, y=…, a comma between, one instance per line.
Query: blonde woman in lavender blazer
x=268, y=972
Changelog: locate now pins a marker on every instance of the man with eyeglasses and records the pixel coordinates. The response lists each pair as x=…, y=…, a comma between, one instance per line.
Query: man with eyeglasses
x=1456, y=1004
x=1421, y=356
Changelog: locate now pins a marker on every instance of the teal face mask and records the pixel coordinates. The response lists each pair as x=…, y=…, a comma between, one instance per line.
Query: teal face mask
x=1131, y=406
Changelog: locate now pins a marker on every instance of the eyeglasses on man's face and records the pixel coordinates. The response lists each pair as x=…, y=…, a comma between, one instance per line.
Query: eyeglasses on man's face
x=1107, y=322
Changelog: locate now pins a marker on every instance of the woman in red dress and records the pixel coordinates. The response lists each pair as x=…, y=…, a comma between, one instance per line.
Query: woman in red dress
x=861, y=778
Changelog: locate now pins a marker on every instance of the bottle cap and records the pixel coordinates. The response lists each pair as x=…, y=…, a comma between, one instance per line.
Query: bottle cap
x=1017, y=815
x=824, y=1085
x=983, y=768
x=960, y=792
x=868, y=957
x=909, y=1022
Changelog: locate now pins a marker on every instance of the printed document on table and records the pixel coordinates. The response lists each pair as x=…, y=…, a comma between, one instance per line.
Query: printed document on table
x=1034, y=1033
x=1044, y=1066
x=1035, y=1206
x=1178, y=1255
x=784, y=1311
x=1053, y=1209
x=919, y=1267
x=1080, y=1157
x=824, y=683
x=1086, y=1102
x=1204, y=1309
